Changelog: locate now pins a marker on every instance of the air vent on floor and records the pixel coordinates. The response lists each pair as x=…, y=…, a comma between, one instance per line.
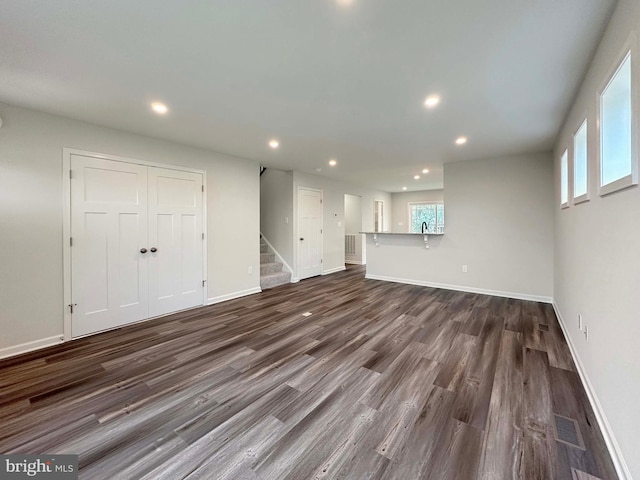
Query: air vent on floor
x=543, y=326
x=566, y=430
x=580, y=475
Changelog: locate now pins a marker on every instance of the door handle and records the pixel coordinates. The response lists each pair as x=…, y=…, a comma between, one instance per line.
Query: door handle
x=143, y=250
x=154, y=249
x=301, y=238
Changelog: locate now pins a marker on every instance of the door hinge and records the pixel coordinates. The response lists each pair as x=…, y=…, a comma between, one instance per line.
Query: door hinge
x=203, y=282
x=320, y=230
x=71, y=241
x=71, y=305
x=203, y=236
x=320, y=200
x=70, y=174
x=202, y=187
x=320, y=260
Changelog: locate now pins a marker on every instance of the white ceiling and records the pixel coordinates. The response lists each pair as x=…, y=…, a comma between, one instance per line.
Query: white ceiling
x=327, y=80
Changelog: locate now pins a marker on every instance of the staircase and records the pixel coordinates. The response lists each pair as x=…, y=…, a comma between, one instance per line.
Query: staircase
x=271, y=274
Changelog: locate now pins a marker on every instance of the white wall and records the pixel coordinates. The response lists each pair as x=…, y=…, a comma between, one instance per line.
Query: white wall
x=400, y=206
x=499, y=222
x=276, y=211
x=31, y=291
x=333, y=210
x=597, y=263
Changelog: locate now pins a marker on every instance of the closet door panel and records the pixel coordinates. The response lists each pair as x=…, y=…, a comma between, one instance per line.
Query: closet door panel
x=175, y=232
x=109, y=224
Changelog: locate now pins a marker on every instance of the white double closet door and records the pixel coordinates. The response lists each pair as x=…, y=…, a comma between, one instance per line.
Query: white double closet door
x=137, y=242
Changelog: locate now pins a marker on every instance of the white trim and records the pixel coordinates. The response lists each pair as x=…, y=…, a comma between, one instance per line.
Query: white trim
x=607, y=432
x=66, y=223
x=117, y=158
x=461, y=288
x=234, y=295
x=619, y=184
x=285, y=265
x=334, y=270
x=354, y=262
x=30, y=346
x=66, y=247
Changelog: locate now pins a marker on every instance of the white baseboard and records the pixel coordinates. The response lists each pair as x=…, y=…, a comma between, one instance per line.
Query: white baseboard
x=353, y=262
x=334, y=270
x=30, y=346
x=234, y=295
x=285, y=266
x=460, y=288
x=612, y=444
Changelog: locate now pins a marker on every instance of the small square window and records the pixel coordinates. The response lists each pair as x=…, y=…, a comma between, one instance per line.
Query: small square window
x=617, y=123
x=580, y=165
x=564, y=179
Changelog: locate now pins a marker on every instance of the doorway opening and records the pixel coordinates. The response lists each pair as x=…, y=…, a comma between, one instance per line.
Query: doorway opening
x=354, y=241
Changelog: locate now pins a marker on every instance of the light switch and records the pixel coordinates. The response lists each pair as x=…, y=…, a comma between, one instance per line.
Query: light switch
x=339, y=224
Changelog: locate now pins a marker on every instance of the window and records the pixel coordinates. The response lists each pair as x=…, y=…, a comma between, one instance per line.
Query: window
x=564, y=179
x=617, y=150
x=431, y=213
x=378, y=212
x=580, y=165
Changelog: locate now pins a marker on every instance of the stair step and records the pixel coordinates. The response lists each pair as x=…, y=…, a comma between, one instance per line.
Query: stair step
x=264, y=248
x=274, y=279
x=267, y=258
x=272, y=267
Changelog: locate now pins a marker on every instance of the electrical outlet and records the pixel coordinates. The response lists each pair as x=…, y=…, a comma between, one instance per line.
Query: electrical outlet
x=464, y=269
x=250, y=271
x=586, y=334
x=579, y=322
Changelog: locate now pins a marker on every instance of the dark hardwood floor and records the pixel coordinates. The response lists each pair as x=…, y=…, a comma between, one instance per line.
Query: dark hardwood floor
x=381, y=381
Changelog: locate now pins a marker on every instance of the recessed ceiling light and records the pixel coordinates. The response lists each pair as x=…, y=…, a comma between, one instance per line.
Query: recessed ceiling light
x=416, y=177
x=461, y=140
x=333, y=162
x=404, y=188
x=318, y=169
x=159, y=108
x=432, y=101
x=344, y=3
x=425, y=170
x=274, y=143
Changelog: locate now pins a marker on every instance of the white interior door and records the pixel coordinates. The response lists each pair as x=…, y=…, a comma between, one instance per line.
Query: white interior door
x=176, y=269
x=309, y=233
x=108, y=228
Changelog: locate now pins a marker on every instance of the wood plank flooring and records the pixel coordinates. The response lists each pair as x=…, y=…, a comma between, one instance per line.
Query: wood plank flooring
x=382, y=381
